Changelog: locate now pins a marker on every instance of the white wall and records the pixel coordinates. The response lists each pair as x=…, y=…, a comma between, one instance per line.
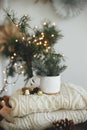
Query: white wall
x=74, y=43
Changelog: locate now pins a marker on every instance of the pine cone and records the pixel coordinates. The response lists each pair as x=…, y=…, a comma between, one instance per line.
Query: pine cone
x=64, y=125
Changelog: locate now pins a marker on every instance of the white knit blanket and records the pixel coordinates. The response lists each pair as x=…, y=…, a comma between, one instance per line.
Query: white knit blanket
x=39, y=121
x=70, y=97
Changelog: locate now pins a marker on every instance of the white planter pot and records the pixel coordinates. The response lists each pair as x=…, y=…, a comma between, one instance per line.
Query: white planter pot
x=50, y=84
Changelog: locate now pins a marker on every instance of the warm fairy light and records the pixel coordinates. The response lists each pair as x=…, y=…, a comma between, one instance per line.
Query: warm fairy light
x=49, y=47
x=52, y=35
x=42, y=35
x=40, y=43
x=29, y=42
x=22, y=72
x=4, y=72
x=17, y=25
x=35, y=26
x=41, y=38
x=44, y=23
x=15, y=64
x=21, y=66
x=5, y=80
x=33, y=35
x=23, y=38
x=35, y=40
x=46, y=50
x=16, y=40
x=53, y=24
x=37, y=43
x=34, y=55
x=14, y=54
x=45, y=44
x=12, y=57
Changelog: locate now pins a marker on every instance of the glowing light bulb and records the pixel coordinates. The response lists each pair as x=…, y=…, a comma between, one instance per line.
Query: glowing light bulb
x=16, y=40
x=21, y=66
x=52, y=35
x=34, y=55
x=17, y=25
x=46, y=50
x=40, y=43
x=45, y=42
x=35, y=40
x=29, y=42
x=23, y=38
x=54, y=24
x=37, y=43
x=36, y=27
x=14, y=54
x=5, y=80
x=33, y=35
x=4, y=71
x=15, y=64
x=44, y=23
x=22, y=72
x=12, y=57
x=49, y=47
x=41, y=38
x=42, y=33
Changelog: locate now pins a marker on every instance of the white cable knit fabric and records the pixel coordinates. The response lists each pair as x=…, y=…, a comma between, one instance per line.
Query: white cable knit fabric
x=38, y=121
x=70, y=97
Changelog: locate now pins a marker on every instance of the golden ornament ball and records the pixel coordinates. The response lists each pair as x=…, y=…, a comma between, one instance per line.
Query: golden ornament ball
x=39, y=93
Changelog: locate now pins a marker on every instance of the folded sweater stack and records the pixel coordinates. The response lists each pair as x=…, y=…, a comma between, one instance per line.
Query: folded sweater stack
x=35, y=112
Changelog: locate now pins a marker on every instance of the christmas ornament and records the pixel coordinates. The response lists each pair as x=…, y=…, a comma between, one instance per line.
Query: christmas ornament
x=39, y=93
x=27, y=92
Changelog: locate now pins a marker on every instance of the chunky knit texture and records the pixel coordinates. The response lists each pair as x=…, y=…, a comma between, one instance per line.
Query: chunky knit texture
x=70, y=97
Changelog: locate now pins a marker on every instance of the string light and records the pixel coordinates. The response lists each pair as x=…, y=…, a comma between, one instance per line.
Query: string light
x=23, y=38
x=4, y=72
x=17, y=25
x=45, y=42
x=16, y=40
x=37, y=43
x=29, y=42
x=34, y=56
x=12, y=57
x=36, y=27
x=33, y=35
x=21, y=66
x=44, y=23
x=53, y=24
x=41, y=38
x=46, y=50
x=22, y=72
x=14, y=54
x=42, y=35
x=40, y=43
x=52, y=35
x=49, y=47
x=15, y=64
x=35, y=40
